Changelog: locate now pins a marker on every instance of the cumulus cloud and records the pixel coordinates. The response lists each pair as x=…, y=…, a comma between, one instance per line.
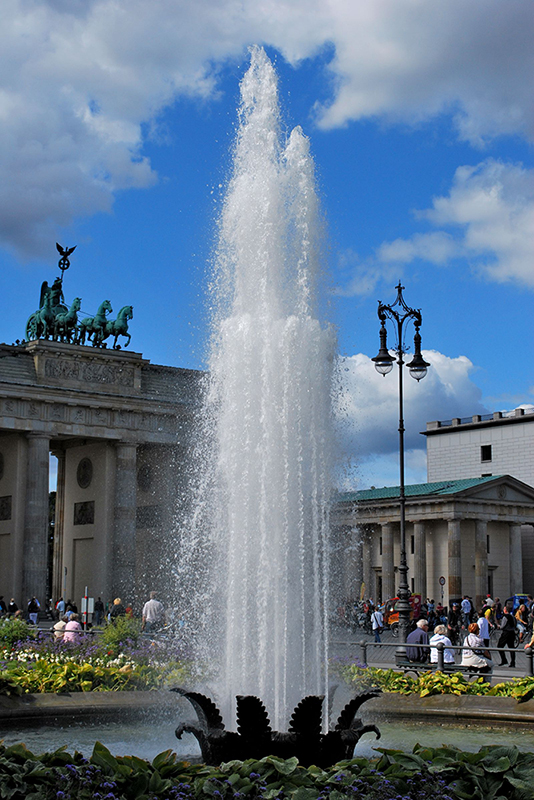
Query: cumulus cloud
x=490, y=213
x=368, y=404
x=82, y=80
x=411, y=59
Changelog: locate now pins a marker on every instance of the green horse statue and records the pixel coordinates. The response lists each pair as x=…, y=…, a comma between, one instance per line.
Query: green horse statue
x=94, y=326
x=65, y=323
x=119, y=327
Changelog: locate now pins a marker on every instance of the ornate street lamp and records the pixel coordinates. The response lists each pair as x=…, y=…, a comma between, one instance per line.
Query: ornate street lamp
x=400, y=313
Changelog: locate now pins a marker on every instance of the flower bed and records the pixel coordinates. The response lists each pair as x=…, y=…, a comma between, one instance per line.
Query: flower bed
x=425, y=774
x=117, y=660
x=432, y=683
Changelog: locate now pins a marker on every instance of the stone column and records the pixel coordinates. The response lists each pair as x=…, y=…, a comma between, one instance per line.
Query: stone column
x=357, y=550
x=455, y=560
x=35, y=548
x=516, y=560
x=388, y=574
x=419, y=560
x=481, y=562
x=124, y=551
x=367, y=566
x=59, y=527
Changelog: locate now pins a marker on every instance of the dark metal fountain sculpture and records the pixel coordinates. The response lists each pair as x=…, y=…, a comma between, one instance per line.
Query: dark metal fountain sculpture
x=255, y=738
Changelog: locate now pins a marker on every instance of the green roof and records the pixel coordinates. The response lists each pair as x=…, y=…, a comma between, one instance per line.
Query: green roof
x=416, y=489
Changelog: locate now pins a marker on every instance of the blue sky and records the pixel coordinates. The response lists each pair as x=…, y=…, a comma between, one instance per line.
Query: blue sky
x=118, y=121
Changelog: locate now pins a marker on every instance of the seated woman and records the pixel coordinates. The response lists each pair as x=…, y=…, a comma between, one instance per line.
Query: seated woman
x=71, y=630
x=59, y=627
x=440, y=636
x=474, y=653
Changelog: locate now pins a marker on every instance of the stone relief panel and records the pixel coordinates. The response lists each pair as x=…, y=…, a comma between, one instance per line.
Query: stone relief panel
x=84, y=513
x=5, y=508
x=100, y=416
x=33, y=410
x=10, y=407
x=57, y=413
x=88, y=372
x=77, y=415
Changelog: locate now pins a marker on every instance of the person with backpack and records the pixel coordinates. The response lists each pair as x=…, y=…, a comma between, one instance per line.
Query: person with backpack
x=507, y=638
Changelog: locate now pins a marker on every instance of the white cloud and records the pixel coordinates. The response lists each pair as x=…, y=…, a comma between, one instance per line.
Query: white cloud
x=368, y=406
x=79, y=80
x=490, y=211
x=410, y=59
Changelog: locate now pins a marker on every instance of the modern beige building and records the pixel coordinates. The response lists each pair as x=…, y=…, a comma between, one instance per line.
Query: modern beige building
x=120, y=428
x=468, y=532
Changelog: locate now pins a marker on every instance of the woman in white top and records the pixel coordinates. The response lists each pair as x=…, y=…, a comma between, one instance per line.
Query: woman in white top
x=473, y=653
x=440, y=636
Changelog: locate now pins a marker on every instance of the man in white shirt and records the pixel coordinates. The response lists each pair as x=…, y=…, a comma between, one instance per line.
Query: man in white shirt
x=153, y=614
x=377, y=622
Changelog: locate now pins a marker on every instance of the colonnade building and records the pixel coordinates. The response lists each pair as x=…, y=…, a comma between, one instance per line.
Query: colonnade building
x=120, y=428
x=471, y=525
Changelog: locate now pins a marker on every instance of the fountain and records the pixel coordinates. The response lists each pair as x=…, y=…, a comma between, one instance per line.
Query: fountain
x=258, y=539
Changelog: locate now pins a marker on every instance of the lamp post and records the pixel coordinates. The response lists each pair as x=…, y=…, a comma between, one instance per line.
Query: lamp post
x=400, y=314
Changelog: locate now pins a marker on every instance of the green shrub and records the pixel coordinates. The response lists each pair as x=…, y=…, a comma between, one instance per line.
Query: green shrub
x=500, y=773
x=116, y=635
x=432, y=683
x=13, y=631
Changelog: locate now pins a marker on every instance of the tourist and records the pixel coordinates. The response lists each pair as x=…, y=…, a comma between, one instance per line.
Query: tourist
x=59, y=627
x=521, y=616
x=117, y=610
x=484, y=628
x=98, y=614
x=419, y=636
x=377, y=624
x=60, y=607
x=12, y=607
x=33, y=610
x=466, y=611
x=530, y=643
x=153, y=614
x=3, y=606
x=473, y=654
x=440, y=637
x=454, y=621
x=71, y=632
x=507, y=638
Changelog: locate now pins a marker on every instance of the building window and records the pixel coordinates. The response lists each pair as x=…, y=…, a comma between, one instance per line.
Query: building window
x=380, y=546
x=485, y=452
x=486, y=475
x=412, y=544
x=413, y=585
x=487, y=544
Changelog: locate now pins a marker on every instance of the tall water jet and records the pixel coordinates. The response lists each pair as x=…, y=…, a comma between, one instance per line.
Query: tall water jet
x=259, y=533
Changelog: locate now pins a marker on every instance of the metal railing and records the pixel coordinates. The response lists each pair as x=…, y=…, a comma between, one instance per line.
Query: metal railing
x=440, y=647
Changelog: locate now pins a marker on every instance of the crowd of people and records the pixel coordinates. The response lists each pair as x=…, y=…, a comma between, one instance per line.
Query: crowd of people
x=459, y=625
x=68, y=623
x=471, y=630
